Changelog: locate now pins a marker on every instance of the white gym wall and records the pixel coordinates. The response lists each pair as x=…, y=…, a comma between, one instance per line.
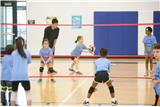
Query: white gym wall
x=65, y=43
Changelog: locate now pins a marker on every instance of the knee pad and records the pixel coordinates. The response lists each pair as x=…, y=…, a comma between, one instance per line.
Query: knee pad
x=51, y=70
x=111, y=89
x=91, y=90
x=28, y=96
x=41, y=69
x=13, y=96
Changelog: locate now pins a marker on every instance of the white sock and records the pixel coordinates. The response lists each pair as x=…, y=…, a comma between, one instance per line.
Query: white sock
x=113, y=99
x=71, y=68
x=77, y=70
x=87, y=100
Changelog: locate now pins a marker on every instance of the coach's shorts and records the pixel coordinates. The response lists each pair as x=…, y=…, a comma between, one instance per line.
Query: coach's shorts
x=101, y=76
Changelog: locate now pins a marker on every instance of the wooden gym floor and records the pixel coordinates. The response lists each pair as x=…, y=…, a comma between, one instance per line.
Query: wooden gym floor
x=73, y=91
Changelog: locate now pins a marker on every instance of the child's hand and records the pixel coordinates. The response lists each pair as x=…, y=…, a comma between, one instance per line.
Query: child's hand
x=45, y=62
x=149, y=52
x=92, y=53
x=155, y=82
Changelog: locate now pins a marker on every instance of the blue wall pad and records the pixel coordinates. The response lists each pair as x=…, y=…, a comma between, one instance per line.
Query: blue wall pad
x=119, y=40
x=156, y=28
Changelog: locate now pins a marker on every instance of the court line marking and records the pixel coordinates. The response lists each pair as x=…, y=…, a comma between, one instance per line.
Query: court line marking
x=74, y=91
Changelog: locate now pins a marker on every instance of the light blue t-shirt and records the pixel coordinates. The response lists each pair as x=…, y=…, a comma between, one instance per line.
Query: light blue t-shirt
x=78, y=49
x=20, y=66
x=157, y=77
x=102, y=64
x=46, y=52
x=7, y=66
x=149, y=40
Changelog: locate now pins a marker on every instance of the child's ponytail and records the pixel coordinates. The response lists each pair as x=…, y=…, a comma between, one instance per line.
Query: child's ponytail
x=78, y=38
x=19, y=45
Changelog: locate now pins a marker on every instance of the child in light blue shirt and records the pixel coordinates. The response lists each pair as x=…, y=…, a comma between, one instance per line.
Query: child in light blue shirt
x=21, y=57
x=77, y=51
x=46, y=60
x=6, y=74
x=149, y=41
x=102, y=67
x=156, y=79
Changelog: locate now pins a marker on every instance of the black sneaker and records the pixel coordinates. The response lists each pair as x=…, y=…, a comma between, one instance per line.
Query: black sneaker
x=4, y=104
x=54, y=71
x=48, y=72
x=78, y=73
x=40, y=80
x=86, y=103
x=114, y=103
x=16, y=104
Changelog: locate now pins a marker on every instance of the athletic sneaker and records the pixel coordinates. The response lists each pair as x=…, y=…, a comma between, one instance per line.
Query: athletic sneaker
x=48, y=72
x=86, y=103
x=78, y=73
x=4, y=104
x=54, y=71
x=52, y=80
x=70, y=69
x=114, y=103
x=151, y=74
x=40, y=80
x=146, y=74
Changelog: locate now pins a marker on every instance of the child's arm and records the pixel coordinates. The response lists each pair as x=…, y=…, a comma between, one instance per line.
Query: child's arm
x=42, y=59
x=155, y=81
x=146, y=48
x=87, y=51
x=151, y=49
x=48, y=59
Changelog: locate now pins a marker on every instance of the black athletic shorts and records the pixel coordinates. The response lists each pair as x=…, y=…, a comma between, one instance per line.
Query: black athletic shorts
x=25, y=84
x=73, y=58
x=101, y=76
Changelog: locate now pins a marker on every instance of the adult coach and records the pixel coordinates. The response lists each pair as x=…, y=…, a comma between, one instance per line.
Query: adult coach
x=51, y=33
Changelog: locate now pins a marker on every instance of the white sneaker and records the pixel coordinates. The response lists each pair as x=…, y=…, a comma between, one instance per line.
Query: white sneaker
x=151, y=73
x=146, y=74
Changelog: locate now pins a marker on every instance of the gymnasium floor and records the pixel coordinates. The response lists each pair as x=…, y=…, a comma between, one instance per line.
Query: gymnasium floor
x=73, y=91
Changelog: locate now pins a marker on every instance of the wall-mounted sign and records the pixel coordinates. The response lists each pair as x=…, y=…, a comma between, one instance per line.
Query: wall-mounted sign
x=31, y=21
x=77, y=19
x=48, y=18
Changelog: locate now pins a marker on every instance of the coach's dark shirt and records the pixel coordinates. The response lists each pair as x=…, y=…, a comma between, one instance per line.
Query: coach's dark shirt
x=51, y=35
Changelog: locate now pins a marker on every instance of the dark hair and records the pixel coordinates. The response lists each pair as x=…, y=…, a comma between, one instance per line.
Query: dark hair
x=149, y=29
x=103, y=52
x=157, y=46
x=19, y=45
x=45, y=40
x=54, y=21
x=78, y=38
x=9, y=49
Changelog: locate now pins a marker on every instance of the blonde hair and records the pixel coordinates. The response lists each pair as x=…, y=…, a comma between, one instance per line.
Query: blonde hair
x=78, y=38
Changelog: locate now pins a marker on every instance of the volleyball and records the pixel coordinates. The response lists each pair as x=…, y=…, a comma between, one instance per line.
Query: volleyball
x=92, y=48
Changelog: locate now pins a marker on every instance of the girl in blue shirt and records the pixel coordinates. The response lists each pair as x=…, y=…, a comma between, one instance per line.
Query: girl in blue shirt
x=46, y=60
x=21, y=58
x=102, y=67
x=77, y=51
x=149, y=41
x=156, y=79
